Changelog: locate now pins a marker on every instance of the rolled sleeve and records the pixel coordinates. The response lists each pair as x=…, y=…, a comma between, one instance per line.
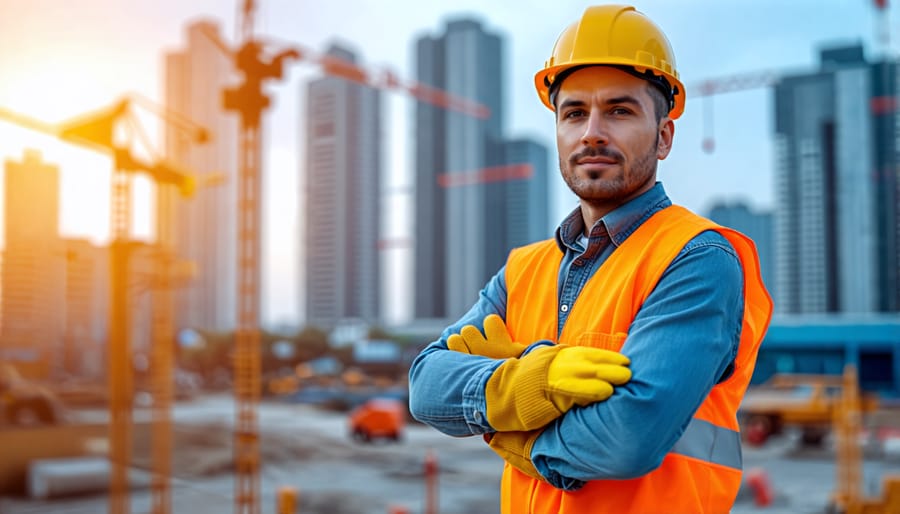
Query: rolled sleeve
x=446, y=388
x=474, y=402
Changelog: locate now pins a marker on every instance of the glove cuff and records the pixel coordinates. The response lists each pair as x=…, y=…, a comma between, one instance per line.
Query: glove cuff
x=516, y=392
x=515, y=448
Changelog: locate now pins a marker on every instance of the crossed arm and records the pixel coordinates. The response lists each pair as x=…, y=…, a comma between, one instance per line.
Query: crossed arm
x=681, y=343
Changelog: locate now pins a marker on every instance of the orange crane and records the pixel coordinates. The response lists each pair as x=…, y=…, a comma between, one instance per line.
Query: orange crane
x=101, y=131
x=249, y=101
x=706, y=89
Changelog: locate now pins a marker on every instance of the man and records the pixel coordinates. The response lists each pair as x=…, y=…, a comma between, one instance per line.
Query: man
x=630, y=338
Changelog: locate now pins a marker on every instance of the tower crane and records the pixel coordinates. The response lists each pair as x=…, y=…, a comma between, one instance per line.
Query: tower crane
x=99, y=131
x=708, y=88
x=256, y=65
x=249, y=100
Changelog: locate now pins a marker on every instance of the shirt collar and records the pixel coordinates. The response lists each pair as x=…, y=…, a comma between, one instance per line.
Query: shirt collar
x=618, y=224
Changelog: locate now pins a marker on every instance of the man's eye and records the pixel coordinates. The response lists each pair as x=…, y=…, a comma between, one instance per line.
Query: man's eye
x=620, y=111
x=574, y=114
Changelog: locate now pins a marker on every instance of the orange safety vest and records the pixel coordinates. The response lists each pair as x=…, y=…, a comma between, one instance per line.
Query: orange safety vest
x=701, y=474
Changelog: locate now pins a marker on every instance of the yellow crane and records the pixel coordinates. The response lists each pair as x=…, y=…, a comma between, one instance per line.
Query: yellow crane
x=101, y=131
x=848, y=498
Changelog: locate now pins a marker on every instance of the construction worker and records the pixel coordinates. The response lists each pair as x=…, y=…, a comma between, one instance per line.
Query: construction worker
x=606, y=365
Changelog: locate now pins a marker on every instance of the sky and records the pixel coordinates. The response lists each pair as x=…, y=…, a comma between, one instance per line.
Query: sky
x=60, y=58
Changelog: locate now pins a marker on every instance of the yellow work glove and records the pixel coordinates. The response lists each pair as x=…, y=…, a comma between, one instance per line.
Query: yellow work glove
x=515, y=448
x=495, y=343
x=529, y=392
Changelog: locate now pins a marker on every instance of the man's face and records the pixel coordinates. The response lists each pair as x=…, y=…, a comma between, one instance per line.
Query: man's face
x=608, y=137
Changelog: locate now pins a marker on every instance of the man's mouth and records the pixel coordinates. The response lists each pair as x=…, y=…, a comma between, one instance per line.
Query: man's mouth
x=596, y=160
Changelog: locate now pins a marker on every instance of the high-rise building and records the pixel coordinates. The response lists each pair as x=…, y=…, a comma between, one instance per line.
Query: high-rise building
x=758, y=226
x=836, y=218
x=459, y=227
x=33, y=291
x=343, y=178
x=87, y=307
x=527, y=205
x=205, y=229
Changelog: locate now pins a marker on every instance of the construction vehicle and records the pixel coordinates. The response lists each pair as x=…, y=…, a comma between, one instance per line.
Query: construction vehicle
x=806, y=401
x=378, y=418
x=25, y=403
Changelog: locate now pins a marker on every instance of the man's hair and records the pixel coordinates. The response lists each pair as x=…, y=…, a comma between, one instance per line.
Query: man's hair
x=660, y=103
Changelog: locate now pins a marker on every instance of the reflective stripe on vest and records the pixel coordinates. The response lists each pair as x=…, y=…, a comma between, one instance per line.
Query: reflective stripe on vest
x=707, y=442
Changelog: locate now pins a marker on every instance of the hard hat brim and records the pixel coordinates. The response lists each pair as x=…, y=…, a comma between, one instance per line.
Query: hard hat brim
x=545, y=79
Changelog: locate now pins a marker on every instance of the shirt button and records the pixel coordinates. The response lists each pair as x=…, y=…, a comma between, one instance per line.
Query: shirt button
x=477, y=416
x=564, y=308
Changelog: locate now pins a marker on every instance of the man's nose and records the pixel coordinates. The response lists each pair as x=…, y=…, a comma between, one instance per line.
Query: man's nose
x=595, y=130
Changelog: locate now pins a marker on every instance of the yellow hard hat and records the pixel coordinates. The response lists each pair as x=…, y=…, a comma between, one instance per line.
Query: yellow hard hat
x=616, y=35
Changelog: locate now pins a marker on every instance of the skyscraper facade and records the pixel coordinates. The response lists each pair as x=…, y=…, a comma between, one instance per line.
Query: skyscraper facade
x=33, y=273
x=758, y=226
x=459, y=234
x=836, y=219
x=342, y=199
x=87, y=307
x=527, y=206
x=205, y=230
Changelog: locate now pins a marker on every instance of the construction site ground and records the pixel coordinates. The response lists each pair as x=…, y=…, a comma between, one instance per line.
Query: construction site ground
x=310, y=449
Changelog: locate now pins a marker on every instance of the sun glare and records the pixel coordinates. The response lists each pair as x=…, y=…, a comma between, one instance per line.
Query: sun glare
x=54, y=91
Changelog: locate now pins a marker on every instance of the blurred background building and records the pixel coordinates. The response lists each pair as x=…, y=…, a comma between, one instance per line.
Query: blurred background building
x=342, y=199
x=206, y=224
x=470, y=181
x=527, y=200
x=87, y=307
x=34, y=265
x=758, y=226
x=451, y=256
x=836, y=215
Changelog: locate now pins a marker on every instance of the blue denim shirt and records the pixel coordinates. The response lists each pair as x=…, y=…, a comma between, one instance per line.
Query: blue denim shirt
x=682, y=342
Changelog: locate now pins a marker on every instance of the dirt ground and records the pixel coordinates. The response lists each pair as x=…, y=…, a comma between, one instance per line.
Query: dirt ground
x=307, y=449
x=311, y=450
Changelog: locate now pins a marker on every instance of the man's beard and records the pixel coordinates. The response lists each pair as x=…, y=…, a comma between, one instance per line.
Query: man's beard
x=595, y=190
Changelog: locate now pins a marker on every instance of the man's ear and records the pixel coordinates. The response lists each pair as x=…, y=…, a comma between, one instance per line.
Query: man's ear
x=666, y=135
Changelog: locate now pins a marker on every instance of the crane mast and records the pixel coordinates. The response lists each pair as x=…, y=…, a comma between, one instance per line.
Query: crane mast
x=249, y=100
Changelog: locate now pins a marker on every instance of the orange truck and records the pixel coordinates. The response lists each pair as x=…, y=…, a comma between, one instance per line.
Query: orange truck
x=378, y=418
x=806, y=401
